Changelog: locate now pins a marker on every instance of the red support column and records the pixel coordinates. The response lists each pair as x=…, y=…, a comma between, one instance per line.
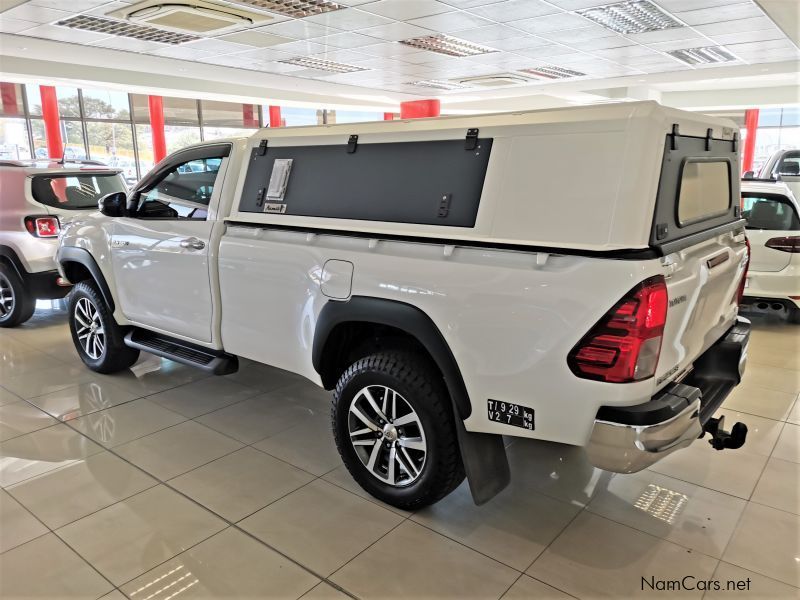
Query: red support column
x=52, y=123
x=388, y=116
x=274, y=116
x=8, y=91
x=751, y=127
x=156, y=104
x=249, y=117
x=419, y=109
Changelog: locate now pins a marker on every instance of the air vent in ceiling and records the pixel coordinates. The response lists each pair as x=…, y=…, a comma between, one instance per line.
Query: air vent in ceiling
x=638, y=16
x=440, y=84
x=190, y=16
x=445, y=44
x=551, y=72
x=293, y=8
x=322, y=65
x=139, y=32
x=494, y=81
x=703, y=56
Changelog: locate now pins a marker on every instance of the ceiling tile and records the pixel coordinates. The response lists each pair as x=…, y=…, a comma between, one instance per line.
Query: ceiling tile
x=349, y=57
x=679, y=44
x=403, y=10
x=299, y=29
x=545, y=51
x=75, y=6
x=394, y=32
x=126, y=43
x=729, y=12
x=675, y=6
x=390, y=49
x=217, y=46
x=36, y=14
x=182, y=52
x=678, y=33
x=347, y=40
x=551, y=23
x=751, y=24
x=486, y=35
x=514, y=10
x=470, y=3
x=15, y=25
x=616, y=54
x=349, y=19
x=300, y=48
x=255, y=38
x=750, y=36
x=568, y=36
x=519, y=43
x=761, y=46
x=451, y=22
x=613, y=41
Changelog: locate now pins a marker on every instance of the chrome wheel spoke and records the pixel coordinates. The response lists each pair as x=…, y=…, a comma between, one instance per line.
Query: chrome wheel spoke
x=89, y=328
x=387, y=435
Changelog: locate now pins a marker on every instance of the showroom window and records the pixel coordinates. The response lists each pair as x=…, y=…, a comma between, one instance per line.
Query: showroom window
x=778, y=129
x=15, y=141
x=228, y=119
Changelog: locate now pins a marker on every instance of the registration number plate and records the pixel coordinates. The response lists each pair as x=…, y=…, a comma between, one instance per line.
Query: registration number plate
x=514, y=415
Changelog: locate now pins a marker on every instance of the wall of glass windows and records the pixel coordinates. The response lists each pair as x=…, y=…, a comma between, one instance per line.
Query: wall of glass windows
x=114, y=127
x=778, y=129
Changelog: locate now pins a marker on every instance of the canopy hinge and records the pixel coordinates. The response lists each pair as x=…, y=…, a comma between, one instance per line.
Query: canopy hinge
x=471, y=141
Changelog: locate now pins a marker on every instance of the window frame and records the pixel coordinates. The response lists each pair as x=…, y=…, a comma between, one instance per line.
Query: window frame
x=776, y=197
x=707, y=216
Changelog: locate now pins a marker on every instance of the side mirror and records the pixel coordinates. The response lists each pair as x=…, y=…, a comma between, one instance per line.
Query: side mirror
x=114, y=205
x=749, y=175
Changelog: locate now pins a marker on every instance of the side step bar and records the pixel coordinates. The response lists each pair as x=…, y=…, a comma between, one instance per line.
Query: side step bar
x=215, y=362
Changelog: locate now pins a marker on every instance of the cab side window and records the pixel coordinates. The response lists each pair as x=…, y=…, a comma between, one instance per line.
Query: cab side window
x=182, y=192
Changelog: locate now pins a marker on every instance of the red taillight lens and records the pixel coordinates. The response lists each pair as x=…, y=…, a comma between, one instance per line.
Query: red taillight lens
x=785, y=244
x=43, y=227
x=625, y=344
x=743, y=282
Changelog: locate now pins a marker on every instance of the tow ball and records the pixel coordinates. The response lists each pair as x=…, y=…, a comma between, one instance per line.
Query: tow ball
x=721, y=439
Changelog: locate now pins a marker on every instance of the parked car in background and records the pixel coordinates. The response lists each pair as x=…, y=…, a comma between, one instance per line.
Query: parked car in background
x=451, y=280
x=783, y=165
x=128, y=168
x=773, y=228
x=36, y=199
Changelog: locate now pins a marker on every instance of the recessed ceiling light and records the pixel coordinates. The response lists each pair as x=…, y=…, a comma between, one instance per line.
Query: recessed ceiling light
x=445, y=44
x=637, y=16
x=551, y=72
x=440, y=84
x=294, y=8
x=120, y=28
x=703, y=56
x=322, y=65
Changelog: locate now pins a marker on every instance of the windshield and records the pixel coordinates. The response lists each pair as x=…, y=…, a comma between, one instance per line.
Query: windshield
x=74, y=191
x=769, y=211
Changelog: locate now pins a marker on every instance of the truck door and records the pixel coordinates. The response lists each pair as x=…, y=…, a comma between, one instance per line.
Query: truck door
x=161, y=252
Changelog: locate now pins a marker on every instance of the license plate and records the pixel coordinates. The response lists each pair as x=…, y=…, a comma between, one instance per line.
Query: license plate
x=511, y=414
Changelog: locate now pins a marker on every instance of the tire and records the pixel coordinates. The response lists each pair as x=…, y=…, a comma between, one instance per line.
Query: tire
x=98, y=339
x=16, y=304
x=427, y=466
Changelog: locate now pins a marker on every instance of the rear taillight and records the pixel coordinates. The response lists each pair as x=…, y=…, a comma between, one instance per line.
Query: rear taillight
x=43, y=227
x=625, y=344
x=785, y=244
x=743, y=281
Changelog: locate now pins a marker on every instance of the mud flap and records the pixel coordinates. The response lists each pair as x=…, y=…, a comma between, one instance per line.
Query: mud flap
x=485, y=463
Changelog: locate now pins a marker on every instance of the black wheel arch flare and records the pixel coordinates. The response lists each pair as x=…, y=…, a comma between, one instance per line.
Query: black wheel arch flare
x=72, y=254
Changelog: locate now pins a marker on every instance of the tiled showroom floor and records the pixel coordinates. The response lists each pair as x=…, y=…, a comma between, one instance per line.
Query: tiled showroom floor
x=162, y=482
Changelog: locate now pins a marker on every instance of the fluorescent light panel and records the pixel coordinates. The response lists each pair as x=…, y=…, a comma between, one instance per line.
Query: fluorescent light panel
x=552, y=72
x=703, y=56
x=322, y=65
x=122, y=29
x=448, y=45
x=637, y=16
x=440, y=84
x=293, y=8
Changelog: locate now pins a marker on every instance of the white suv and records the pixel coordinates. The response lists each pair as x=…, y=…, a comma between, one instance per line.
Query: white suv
x=36, y=198
x=773, y=228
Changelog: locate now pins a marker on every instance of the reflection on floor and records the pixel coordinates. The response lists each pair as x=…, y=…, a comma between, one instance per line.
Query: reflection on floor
x=162, y=482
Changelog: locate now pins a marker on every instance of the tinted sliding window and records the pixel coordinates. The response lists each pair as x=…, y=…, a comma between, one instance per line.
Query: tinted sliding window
x=184, y=191
x=705, y=190
x=75, y=191
x=769, y=211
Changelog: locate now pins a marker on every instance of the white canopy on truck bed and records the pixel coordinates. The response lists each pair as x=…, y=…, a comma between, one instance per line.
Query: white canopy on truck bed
x=583, y=178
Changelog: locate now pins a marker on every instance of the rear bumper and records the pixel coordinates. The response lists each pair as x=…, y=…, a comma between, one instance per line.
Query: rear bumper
x=44, y=285
x=777, y=285
x=627, y=439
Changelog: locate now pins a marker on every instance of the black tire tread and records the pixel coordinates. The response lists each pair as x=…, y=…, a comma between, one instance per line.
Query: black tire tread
x=118, y=356
x=415, y=373
x=24, y=303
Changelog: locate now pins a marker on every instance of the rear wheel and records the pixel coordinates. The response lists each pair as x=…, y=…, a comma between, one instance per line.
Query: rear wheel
x=394, y=427
x=16, y=304
x=97, y=337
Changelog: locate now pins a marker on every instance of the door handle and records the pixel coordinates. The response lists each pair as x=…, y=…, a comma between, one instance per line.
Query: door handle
x=193, y=243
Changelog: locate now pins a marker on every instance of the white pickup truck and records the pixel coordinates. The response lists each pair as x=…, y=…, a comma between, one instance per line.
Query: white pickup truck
x=568, y=275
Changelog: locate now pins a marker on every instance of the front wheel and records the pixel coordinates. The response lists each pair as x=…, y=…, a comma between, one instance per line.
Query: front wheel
x=394, y=427
x=16, y=304
x=97, y=337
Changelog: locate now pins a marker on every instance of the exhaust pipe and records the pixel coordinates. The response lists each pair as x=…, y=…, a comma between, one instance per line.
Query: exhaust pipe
x=776, y=306
x=762, y=305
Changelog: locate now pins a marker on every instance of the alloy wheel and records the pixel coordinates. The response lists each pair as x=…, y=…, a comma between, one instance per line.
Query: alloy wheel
x=6, y=297
x=89, y=328
x=387, y=435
